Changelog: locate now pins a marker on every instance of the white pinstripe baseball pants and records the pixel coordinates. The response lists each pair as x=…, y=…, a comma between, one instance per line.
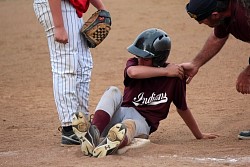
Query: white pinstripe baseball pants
x=71, y=63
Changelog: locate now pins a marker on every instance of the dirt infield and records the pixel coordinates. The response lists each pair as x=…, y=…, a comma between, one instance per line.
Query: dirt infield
x=28, y=117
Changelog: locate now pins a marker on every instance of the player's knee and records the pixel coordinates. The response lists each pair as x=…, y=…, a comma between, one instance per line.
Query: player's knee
x=113, y=89
x=115, y=92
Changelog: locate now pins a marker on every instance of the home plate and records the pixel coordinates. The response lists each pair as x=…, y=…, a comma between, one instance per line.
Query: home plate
x=136, y=143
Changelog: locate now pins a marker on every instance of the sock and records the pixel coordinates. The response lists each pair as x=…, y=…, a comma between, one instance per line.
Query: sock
x=101, y=120
x=124, y=143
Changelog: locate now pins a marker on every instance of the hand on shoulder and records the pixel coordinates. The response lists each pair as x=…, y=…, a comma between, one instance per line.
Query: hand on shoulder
x=174, y=70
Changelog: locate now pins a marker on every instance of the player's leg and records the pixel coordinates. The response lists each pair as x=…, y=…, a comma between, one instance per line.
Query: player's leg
x=119, y=135
x=108, y=105
x=89, y=133
x=126, y=124
x=112, y=141
x=64, y=61
x=84, y=69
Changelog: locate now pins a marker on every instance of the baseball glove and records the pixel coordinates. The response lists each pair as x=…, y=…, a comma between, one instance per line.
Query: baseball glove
x=97, y=27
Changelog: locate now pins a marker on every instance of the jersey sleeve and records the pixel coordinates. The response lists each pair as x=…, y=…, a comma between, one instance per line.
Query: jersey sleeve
x=221, y=31
x=179, y=99
x=130, y=62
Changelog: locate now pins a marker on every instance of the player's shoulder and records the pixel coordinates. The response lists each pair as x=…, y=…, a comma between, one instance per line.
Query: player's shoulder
x=132, y=62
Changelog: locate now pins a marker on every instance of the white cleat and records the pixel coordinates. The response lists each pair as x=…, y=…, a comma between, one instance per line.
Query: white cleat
x=88, y=134
x=111, y=142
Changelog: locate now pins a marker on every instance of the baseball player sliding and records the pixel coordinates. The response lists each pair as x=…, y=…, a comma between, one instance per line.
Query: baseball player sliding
x=151, y=85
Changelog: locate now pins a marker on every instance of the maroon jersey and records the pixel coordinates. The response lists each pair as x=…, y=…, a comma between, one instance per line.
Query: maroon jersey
x=152, y=97
x=238, y=24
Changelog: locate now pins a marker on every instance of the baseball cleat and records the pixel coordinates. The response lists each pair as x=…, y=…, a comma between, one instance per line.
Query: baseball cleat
x=244, y=135
x=111, y=142
x=88, y=134
x=68, y=138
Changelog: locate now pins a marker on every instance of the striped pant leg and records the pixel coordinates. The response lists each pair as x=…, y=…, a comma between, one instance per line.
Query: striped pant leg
x=85, y=66
x=71, y=63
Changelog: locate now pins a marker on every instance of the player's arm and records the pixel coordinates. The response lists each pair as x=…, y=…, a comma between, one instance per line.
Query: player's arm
x=56, y=11
x=140, y=72
x=98, y=4
x=188, y=118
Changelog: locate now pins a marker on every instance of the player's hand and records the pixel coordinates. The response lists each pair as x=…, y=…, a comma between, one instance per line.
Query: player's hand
x=209, y=136
x=61, y=35
x=243, y=81
x=190, y=70
x=174, y=70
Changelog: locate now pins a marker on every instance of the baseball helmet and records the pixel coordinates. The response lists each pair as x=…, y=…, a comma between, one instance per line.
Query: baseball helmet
x=152, y=43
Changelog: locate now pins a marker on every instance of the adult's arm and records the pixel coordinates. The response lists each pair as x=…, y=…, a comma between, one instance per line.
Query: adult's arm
x=211, y=47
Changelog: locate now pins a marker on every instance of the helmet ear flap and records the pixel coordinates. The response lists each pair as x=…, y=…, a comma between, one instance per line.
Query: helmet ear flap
x=161, y=58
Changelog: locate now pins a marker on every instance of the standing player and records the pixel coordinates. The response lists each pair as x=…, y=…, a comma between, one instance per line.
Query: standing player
x=70, y=57
x=226, y=17
x=148, y=94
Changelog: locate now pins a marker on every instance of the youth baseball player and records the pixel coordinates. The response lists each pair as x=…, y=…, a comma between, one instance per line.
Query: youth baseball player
x=148, y=94
x=70, y=57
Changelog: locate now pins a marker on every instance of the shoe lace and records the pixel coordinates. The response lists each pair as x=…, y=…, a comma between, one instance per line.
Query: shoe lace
x=91, y=117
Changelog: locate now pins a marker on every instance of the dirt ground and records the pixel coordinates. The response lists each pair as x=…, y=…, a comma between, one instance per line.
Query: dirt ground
x=28, y=117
